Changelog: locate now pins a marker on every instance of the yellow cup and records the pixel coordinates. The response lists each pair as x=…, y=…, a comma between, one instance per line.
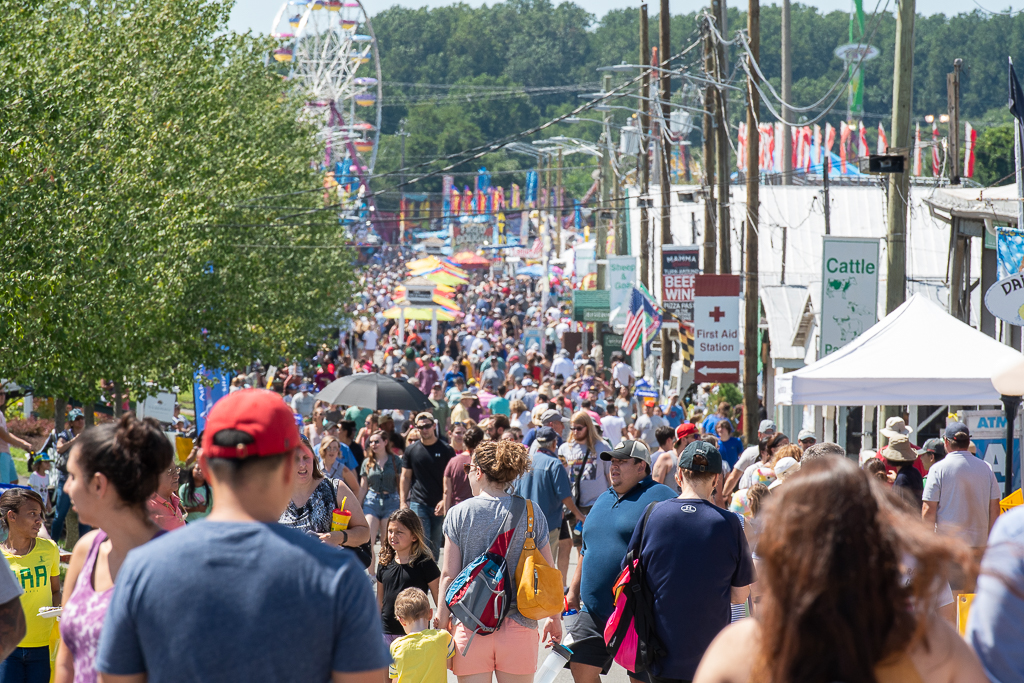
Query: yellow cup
x=340, y=519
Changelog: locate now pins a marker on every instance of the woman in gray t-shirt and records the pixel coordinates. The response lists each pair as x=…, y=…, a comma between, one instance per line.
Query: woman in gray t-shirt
x=469, y=530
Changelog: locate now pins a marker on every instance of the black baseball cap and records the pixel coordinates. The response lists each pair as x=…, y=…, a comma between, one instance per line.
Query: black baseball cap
x=627, y=450
x=546, y=435
x=700, y=456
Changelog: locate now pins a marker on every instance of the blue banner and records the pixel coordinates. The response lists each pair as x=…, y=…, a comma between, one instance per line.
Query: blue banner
x=531, y=189
x=206, y=395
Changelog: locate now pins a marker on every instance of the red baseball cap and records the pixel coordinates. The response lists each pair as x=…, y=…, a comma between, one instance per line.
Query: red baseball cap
x=258, y=413
x=685, y=429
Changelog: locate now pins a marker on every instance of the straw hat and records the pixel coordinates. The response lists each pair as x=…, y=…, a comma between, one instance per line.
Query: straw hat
x=899, y=450
x=895, y=426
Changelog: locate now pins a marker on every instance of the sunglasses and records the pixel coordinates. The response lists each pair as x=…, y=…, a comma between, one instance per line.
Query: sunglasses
x=468, y=467
x=424, y=425
x=579, y=428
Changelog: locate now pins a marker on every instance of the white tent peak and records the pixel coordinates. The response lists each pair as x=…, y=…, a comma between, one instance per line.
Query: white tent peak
x=916, y=355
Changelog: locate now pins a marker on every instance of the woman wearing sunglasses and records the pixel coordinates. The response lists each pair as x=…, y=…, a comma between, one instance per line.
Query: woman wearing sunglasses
x=164, y=506
x=378, y=483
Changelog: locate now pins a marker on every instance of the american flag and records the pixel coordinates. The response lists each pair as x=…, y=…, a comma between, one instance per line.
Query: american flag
x=634, y=321
x=652, y=319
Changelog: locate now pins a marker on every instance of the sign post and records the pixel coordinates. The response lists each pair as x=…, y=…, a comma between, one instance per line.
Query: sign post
x=849, y=296
x=679, y=267
x=716, y=324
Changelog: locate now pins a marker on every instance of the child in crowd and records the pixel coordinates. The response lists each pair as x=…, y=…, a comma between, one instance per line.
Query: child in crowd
x=405, y=562
x=39, y=481
x=421, y=656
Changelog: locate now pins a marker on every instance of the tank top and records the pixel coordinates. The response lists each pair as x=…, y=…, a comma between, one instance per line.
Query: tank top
x=315, y=516
x=82, y=619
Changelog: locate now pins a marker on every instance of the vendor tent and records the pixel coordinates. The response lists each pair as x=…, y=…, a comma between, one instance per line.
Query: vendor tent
x=468, y=259
x=916, y=355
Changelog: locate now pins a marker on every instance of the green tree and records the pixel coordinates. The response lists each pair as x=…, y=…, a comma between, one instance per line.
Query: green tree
x=138, y=151
x=994, y=155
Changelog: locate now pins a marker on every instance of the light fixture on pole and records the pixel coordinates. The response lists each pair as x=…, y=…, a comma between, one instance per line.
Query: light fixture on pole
x=1009, y=382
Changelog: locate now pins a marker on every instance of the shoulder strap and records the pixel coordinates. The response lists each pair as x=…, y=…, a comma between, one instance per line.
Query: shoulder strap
x=579, y=476
x=503, y=536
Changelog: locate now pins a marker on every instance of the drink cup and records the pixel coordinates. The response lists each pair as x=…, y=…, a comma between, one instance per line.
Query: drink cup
x=340, y=520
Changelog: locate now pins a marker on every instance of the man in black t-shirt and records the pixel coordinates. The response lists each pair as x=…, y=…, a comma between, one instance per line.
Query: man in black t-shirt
x=421, y=488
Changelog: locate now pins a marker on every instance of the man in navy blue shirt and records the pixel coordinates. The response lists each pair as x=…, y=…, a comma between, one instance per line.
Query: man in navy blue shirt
x=697, y=562
x=547, y=485
x=606, y=536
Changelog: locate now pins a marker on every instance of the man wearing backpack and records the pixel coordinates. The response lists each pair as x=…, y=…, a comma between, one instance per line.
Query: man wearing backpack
x=606, y=536
x=696, y=563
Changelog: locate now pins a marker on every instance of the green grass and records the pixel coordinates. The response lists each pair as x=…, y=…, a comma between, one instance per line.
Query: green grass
x=20, y=463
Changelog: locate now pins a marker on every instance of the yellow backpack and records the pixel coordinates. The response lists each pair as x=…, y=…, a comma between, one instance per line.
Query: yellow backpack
x=539, y=593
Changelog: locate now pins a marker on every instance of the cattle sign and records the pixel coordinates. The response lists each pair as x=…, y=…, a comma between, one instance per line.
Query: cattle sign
x=849, y=290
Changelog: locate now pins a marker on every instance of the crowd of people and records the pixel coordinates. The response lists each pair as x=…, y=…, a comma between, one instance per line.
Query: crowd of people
x=779, y=560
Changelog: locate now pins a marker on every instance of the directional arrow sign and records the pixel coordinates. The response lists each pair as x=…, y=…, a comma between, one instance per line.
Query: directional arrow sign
x=711, y=371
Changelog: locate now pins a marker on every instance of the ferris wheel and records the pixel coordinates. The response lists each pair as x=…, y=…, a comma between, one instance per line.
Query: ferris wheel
x=337, y=68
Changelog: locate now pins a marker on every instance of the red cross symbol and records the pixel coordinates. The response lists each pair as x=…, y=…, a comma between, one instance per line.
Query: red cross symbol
x=717, y=314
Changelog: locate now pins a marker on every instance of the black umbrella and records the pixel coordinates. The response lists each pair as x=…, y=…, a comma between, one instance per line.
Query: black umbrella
x=376, y=391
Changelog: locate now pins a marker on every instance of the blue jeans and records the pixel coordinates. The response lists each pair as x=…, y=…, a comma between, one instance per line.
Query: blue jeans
x=380, y=506
x=26, y=665
x=63, y=505
x=432, y=527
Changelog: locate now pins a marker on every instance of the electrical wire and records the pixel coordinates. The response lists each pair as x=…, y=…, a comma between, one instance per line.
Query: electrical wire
x=1009, y=13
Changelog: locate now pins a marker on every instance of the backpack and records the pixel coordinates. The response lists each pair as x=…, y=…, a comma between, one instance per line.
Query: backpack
x=630, y=631
x=539, y=593
x=482, y=594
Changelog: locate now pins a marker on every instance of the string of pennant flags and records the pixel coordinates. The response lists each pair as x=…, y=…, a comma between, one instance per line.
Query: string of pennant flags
x=812, y=147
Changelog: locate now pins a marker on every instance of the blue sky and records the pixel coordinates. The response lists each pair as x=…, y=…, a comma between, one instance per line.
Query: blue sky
x=257, y=15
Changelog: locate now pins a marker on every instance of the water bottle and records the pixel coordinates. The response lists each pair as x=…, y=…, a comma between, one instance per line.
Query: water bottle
x=568, y=617
x=554, y=662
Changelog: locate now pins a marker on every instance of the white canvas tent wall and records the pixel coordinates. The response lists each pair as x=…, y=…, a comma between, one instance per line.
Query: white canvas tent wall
x=916, y=355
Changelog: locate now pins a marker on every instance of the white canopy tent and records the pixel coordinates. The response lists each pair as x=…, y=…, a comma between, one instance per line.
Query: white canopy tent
x=916, y=355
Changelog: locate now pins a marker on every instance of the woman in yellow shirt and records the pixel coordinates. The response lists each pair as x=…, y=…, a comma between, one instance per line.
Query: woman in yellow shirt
x=36, y=565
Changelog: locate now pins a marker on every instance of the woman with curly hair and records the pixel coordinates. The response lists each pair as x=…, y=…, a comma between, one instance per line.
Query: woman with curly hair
x=469, y=530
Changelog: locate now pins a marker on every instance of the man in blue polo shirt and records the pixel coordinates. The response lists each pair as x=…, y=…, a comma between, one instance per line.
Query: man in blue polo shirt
x=697, y=563
x=547, y=485
x=606, y=535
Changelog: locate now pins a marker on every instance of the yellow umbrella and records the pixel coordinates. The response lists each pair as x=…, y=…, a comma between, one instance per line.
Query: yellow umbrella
x=426, y=263
x=445, y=288
x=412, y=313
x=443, y=278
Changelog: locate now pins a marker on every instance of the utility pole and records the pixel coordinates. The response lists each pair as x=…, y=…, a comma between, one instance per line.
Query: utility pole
x=787, y=91
x=899, y=183
x=665, y=51
x=558, y=200
x=721, y=114
x=644, y=159
x=710, y=96
x=953, y=95
x=606, y=182
x=751, y=303
x=825, y=164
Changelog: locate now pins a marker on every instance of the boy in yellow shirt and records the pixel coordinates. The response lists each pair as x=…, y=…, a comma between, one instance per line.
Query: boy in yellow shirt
x=421, y=656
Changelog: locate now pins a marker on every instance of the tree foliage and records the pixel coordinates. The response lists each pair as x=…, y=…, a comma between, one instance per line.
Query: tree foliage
x=138, y=143
x=538, y=44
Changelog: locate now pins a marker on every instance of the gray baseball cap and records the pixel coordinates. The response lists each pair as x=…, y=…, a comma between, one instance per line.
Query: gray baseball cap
x=627, y=450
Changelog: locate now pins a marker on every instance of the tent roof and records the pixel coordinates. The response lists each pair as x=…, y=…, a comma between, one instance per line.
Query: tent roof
x=994, y=203
x=916, y=355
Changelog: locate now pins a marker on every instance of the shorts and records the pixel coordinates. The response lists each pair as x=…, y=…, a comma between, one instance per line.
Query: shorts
x=563, y=531
x=512, y=649
x=588, y=646
x=380, y=506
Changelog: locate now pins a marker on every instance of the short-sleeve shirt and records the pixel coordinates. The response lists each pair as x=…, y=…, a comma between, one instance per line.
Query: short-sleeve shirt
x=427, y=464
x=595, y=476
x=472, y=526
x=647, y=425
x=730, y=450
x=358, y=415
x=547, y=485
x=455, y=470
x=422, y=657
x=694, y=553
x=33, y=571
x=995, y=627
x=396, y=578
x=606, y=534
x=963, y=485
x=241, y=601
